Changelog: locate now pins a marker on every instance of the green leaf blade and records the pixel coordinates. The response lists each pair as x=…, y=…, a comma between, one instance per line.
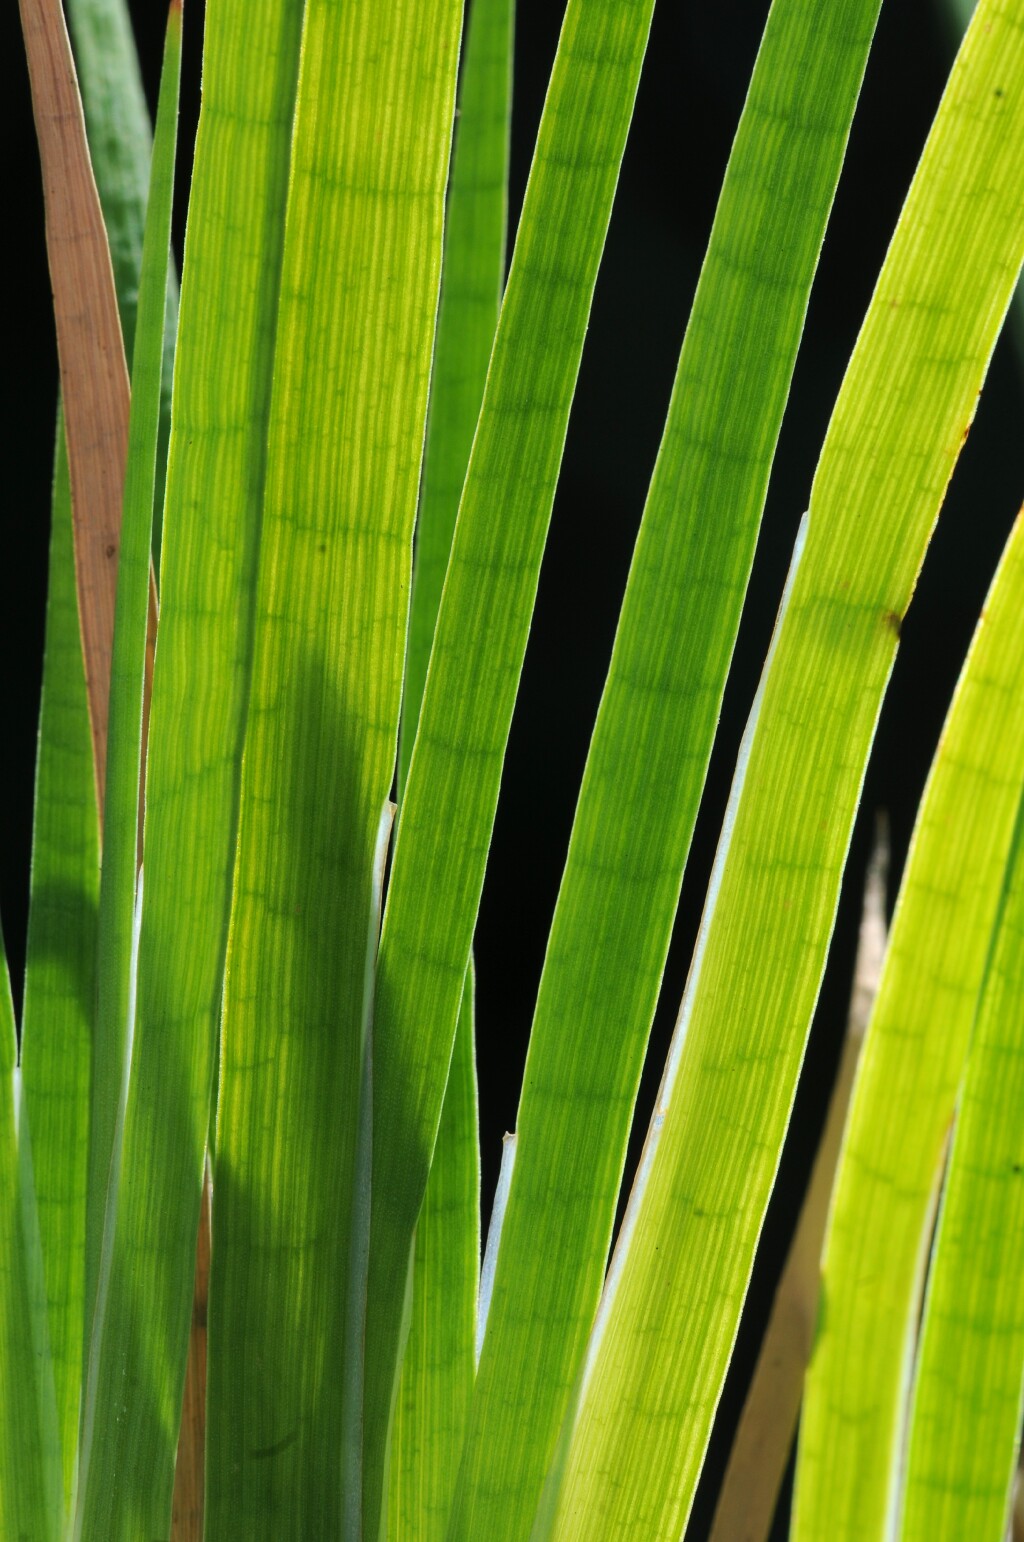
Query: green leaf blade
x=27, y=1506
x=120, y=137
x=969, y=1384
x=473, y=273
x=60, y=966
x=60, y=970
x=214, y=492
x=439, y=1366
x=115, y=922
x=852, y=1430
x=30, y=1468
x=480, y=642
x=676, y=1286
x=358, y=301
x=651, y=745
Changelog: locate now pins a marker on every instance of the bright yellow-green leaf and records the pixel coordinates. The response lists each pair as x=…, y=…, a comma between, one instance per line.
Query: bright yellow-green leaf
x=480, y=641
x=969, y=1385
x=853, y=1426
x=668, y=1317
x=359, y=289
x=650, y=749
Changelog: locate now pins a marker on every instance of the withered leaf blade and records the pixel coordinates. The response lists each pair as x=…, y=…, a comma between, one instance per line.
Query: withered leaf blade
x=93, y=374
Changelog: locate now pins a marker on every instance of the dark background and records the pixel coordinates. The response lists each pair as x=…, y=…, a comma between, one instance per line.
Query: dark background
x=697, y=69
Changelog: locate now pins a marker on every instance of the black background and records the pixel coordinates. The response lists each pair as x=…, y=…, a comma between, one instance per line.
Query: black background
x=695, y=78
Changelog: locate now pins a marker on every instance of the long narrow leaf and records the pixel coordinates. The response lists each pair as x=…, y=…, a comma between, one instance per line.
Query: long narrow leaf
x=764, y=1436
x=439, y=1366
x=94, y=378
x=651, y=745
x=854, y=1414
x=359, y=290
x=30, y=1480
x=188, y=1502
x=128, y=671
x=471, y=284
x=969, y=1388
x=356, y=1271
x=669, y=1314
x=59, y=975
x=957, y=14
x=118, y=126
x=448, y=809
x=60, y=978
x=214, y=496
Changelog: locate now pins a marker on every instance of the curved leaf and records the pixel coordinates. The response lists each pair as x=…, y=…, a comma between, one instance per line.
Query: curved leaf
x=852, y=1429
x=969, y=1387
x=671, y=1306
x=649, y=753
x=448, y=808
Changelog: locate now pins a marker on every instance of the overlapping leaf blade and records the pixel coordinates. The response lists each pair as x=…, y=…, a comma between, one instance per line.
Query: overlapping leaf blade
x=59, y=976
x=448, y=807
x=117, y=901
x=749, y=1495
x=439, y=1365
x=669, y=1314
x=214, y=496
x=969, y=1385
x=30, y=1476
x=94, y=378
x=355, y=332
x=649, y=754
x=323, y=755
x=476, y=216
x=118, y=126
x=853, y=1427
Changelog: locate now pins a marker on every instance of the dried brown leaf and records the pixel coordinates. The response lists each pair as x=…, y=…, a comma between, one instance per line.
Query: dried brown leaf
x=94, y=378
